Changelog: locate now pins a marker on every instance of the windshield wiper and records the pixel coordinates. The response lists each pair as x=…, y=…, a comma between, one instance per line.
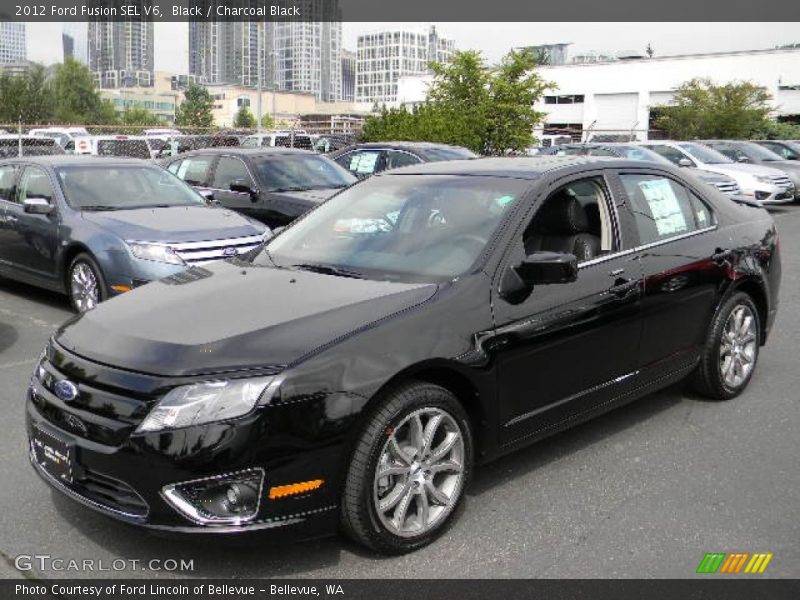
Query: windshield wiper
x=329, y=270
x=290, y=189
x=99, y=207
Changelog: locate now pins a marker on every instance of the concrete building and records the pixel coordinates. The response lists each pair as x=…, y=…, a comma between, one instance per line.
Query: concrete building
x=386, y=56
x=616, y=97
x=121, y=50
x=283, y=106
x=550, y=54
x=226, y=51
x=160, y=98
x=348, y=76
x=12, y=42
x=75, y=41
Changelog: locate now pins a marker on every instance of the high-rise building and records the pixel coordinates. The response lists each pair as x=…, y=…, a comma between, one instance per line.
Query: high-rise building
x=385, y=56
x=348, y=76
x=303, y=56
x=12, y=42
x=75, y=41
x=121, y=50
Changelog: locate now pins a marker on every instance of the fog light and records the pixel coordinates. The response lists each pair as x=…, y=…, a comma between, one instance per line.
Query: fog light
x=224, y=499
x=762, y=195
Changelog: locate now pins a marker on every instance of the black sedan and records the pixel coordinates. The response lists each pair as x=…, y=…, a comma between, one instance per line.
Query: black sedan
x=366, y=159
x=273, y=185
x=351, y=374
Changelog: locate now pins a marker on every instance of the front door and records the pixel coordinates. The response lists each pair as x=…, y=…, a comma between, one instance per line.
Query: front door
x=568, y=348
x=228, y=170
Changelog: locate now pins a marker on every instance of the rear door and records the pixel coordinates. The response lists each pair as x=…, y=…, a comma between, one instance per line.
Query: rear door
x=363, y=163
x=684, y=257
x=8, y=196
x=229, y=169
x=194, y=170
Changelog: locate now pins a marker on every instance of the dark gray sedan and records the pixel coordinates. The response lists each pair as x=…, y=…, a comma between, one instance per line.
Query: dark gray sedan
x=94, y=228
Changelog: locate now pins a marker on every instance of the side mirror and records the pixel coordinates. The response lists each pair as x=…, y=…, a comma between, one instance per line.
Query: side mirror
x=243, y=187
x=37, y=206
x=208, y=196
x=539, y=268
x=743, y=159
x=685, y=162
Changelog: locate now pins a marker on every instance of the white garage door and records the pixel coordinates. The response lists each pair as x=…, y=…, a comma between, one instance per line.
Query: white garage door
x=661, y=98
x=788, y=102
x=616, y=111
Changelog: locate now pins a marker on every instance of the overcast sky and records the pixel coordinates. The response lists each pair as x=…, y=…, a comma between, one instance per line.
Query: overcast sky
x=494, y=39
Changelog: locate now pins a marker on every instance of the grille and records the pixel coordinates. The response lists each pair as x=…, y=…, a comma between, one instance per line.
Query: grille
x=110, y=493
x=197, y=253
x=782, y=181
x=729, y=187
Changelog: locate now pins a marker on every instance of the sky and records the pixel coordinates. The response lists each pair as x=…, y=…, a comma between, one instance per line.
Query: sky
x=493, y=39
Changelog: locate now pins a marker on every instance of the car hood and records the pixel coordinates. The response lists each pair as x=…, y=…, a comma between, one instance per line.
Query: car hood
x=734, y=169
x=174, y=224
x=231, y=316
x=310, y=196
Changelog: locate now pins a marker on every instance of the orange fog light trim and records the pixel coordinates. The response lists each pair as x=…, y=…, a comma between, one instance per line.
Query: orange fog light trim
x=121, y=288
x=281, y=491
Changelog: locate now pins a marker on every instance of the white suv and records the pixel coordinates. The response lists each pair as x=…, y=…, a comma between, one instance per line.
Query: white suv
x=765, y=184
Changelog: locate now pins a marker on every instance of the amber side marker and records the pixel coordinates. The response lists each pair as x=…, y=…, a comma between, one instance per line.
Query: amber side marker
x=292, y=489
x=121, y=288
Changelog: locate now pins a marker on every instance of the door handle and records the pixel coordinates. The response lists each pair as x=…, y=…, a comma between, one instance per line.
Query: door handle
x=623, y=287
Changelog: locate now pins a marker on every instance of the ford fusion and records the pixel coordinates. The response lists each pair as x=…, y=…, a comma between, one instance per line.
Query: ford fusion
x=351, y=374
x=98, y=227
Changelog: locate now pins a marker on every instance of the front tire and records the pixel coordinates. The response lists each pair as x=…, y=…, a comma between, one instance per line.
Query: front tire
x=86, y=285
x=408, y=471
x=731, y=350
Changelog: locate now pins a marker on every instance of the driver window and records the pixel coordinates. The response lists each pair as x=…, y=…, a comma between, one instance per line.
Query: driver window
x=574, y=219
x=229, y=170
x=35, y=184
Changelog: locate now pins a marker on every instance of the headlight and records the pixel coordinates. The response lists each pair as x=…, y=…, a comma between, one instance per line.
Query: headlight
x=763, y=179
x=156, y=252
x=205, y=403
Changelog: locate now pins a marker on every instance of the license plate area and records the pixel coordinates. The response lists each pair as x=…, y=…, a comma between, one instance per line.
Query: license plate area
x=53, y=454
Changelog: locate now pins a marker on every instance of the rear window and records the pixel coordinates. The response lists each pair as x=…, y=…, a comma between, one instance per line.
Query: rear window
x=449, y=153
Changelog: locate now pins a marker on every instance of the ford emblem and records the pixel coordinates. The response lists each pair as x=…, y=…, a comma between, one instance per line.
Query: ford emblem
x=230, y=252
x=66, y=390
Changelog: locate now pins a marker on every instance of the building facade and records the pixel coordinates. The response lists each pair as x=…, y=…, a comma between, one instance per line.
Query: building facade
x=75, y=42
x=617, y=97
x=226, y=51
x=12, y=42
x=386, y=56
x=348, y=76
x=121, y=50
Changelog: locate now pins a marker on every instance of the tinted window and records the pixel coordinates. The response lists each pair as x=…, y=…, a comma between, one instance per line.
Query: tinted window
x=395, y=159
x=449, y=153
x=131, y=148
x=664, y=208
x=301, y=172
x=781, y=150
x=7, y=177
x=193, y=170
x=227, y=170
x=673, y=155
x=35, y=184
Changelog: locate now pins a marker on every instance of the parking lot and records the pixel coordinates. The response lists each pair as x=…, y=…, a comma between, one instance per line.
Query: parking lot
x=642, y=492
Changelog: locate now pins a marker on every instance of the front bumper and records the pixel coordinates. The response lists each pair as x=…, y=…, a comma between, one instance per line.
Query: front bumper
x=124, y=475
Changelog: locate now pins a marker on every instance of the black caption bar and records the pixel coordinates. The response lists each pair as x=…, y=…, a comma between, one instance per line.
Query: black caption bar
x=534, y=11
x=407, y=589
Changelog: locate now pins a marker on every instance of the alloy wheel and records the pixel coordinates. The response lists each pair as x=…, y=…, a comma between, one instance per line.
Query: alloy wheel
x=84, y=287
x=737, y=350
x=419, y=476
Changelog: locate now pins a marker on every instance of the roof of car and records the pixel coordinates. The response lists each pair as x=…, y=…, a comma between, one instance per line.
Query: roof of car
x=417, y=145
x=71, y=160
x=522, y=167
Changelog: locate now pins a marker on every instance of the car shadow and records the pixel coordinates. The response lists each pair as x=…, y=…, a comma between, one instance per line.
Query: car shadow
x=8, y=336
x=34, y=294
x=258, y=554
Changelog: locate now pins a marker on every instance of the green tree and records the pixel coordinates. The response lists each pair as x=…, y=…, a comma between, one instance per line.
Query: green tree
x=267, y=122
x=487, y=109
x=27, y=96
x=701, y=109
x=777, y=130
x=136, y=115
x=244, y=118
x=75, y=97
x=195, y=110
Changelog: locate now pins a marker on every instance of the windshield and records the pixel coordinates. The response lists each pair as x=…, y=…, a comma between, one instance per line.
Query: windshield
x=636, y=153
x=705, y=154
x=103, y=187
x=401, y=227
x=434, y=154
x=757, y=152
x=300, y=172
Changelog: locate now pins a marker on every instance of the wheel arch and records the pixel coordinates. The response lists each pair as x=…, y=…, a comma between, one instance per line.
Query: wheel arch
x=68, y=256
x=757, y=291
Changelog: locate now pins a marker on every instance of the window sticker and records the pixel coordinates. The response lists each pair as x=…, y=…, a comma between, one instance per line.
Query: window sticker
x=664, y=206
x=363, y=162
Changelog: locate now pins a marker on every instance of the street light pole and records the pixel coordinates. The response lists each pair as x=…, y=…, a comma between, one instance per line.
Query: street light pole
x=260, y=68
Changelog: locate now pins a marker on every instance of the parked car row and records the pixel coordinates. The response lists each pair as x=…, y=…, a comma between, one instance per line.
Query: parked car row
x=349, y=374
x=766, y=170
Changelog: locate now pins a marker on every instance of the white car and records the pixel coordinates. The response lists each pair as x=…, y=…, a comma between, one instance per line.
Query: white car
x=764, y=184
x=72, y=139
x=285, y=139
x=133, y=146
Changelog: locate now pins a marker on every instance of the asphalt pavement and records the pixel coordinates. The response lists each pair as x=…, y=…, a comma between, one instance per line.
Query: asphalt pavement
x=644, y=491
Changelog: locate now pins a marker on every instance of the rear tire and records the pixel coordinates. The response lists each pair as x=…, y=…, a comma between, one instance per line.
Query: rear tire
x=86, y=286
x=409, y=470
x=731, y=350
